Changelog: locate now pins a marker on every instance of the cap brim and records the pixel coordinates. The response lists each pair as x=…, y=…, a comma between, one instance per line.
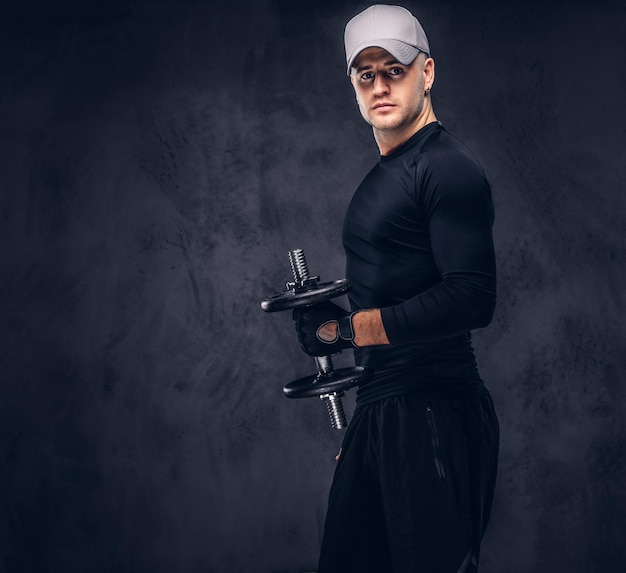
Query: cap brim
x=401, y=51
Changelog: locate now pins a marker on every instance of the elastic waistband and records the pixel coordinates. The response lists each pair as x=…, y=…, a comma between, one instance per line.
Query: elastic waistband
x=465, y=388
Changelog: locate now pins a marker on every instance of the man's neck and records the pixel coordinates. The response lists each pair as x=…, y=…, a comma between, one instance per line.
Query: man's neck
x=389, y=141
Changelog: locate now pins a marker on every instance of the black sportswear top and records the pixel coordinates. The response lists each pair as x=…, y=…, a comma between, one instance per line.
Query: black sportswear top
x=418, y=243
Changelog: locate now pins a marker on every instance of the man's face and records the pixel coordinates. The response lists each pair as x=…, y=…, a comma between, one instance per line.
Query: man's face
x=390, y=94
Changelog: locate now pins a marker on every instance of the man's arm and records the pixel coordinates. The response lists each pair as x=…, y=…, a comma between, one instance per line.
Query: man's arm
x=457, y=203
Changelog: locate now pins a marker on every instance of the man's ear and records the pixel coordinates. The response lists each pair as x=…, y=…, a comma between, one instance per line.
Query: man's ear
x=429, y=72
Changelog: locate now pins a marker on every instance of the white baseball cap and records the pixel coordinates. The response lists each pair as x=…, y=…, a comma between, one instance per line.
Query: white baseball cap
x=391, y=28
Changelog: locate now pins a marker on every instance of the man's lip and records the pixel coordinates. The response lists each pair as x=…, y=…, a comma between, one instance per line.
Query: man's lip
x=383, y=105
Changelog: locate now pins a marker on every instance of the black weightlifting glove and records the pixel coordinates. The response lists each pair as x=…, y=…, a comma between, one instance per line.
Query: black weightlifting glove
x=310, y=320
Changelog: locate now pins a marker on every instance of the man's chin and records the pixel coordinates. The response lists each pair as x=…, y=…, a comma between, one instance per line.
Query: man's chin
x=389, y=125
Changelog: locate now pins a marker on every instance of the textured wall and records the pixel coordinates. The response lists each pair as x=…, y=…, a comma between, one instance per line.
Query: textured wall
x=159, y=159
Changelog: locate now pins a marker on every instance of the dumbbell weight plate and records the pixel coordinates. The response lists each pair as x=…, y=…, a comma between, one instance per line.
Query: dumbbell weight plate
x=336, y=381
x=306, y=297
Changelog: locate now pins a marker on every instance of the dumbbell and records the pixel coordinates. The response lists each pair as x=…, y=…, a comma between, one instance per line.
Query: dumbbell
x=329, y=384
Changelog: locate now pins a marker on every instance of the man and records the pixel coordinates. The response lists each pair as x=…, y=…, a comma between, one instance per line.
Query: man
x=416, y=473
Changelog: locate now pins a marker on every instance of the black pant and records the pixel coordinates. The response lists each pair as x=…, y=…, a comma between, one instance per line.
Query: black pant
x=413, y=488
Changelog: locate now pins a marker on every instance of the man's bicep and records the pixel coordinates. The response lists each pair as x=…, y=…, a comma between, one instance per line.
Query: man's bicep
x=460, y=227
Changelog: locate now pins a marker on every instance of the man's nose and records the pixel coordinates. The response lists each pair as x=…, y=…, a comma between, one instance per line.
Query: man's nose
x=381, y=84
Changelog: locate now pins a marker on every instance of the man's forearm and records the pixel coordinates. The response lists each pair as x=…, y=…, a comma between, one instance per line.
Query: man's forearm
x=368, y=328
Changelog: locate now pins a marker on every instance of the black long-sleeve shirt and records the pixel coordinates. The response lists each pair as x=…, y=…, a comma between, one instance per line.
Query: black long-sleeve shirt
x=418, y=244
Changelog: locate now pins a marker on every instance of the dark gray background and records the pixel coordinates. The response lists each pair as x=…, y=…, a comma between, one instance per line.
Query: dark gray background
x=158, y=159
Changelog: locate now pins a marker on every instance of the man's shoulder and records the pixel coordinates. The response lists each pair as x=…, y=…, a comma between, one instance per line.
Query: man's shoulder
x=447, y=172
x=442, y=148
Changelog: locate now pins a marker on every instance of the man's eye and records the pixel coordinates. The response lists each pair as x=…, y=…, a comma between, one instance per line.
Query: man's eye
x=367, y=76
x=395, y=71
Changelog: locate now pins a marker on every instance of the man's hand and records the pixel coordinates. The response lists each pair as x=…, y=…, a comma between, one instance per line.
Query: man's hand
x=324, y=329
